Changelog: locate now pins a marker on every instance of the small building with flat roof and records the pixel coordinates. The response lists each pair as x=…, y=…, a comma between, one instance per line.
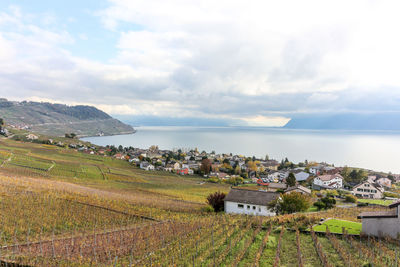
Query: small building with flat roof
x=382, y=223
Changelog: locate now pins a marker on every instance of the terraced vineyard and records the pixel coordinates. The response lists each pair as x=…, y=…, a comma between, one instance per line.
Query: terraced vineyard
x=59, y=207
x=207, y=241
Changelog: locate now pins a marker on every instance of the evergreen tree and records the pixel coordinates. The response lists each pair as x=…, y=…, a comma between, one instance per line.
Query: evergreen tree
x=291, y=180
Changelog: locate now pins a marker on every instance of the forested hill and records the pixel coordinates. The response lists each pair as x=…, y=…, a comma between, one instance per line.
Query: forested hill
x=354, y=121
x=58, y=119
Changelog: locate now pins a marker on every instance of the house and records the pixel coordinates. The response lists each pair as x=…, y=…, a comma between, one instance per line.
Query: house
x=272, y=186
x=298, y=188
x=386, y=182
x=330, y=180
x=31, y=137
x=250, y=202
x=283, y=175
x=270, y=164
x=315, y=170
x=274, y=175
x=382, y=223
x=183, y=171
x=368, y=190
x=177, y=166
x=146, y=166
x=371, y=178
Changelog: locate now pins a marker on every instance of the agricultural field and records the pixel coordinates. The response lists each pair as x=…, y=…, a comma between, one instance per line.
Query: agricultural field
x=59, y=207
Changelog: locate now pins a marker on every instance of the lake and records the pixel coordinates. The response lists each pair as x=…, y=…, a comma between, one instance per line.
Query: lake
x=372, y=150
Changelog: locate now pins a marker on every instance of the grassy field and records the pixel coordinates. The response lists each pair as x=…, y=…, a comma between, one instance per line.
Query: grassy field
x=335, y=226
x=60, y=207
x=382, y=202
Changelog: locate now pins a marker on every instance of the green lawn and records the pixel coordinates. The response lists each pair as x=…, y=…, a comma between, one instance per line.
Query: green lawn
x=335, y=226
x=376, y=201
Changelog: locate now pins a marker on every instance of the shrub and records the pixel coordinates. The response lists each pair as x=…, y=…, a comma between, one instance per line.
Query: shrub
x=213, y=180
x=216, y=200
x=350, y=199
x=235, y=180
x=290, y=203
x=208, y=208
x=329, y=202
x=325, y=203
x=319, y=205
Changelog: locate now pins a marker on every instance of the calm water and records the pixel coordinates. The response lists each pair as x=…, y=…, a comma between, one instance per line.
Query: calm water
x=372, y=150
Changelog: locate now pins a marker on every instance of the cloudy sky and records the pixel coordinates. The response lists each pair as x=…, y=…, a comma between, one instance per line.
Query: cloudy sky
x=259, y=62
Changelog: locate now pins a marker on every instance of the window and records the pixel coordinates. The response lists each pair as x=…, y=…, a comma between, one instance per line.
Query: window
x=259, y=209
x=248, y=207
x=254, y=207
x=240, y=206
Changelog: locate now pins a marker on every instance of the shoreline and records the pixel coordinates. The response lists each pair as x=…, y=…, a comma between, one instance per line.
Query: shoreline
x=121, y=133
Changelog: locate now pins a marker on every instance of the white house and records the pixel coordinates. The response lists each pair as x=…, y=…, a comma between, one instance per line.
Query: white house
x=283, y=174
x=382, y=223
x=315, y=170
x=146, y=166
x=330, y=180
x=274, y=175
x=31, y=137
x=368, y=190
x=386, y=182
x=250, y=202
x=177, y=166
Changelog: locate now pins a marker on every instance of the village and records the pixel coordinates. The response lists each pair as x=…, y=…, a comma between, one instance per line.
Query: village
x=256, y=182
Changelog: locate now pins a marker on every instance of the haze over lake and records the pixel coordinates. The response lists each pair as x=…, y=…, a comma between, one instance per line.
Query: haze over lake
x=372, y=150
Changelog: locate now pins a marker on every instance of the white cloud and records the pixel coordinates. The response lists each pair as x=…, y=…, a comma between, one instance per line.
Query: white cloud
x=231, y=59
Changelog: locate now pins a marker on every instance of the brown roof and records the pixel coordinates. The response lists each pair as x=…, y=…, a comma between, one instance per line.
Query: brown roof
x=300, y=187
x=251, y=196
x=328, y=177
x=392, y=213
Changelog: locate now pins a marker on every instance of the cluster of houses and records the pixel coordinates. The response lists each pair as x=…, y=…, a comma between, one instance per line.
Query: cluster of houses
x=270, y=174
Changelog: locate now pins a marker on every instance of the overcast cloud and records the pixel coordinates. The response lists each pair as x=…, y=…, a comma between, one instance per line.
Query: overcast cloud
x=260, y=61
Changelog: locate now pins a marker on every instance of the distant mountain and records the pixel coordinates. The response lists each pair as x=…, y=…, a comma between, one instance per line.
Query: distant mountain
x=58, y=119
x=173, y=121
x=347, y=121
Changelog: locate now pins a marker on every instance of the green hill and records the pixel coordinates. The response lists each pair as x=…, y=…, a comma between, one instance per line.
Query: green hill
x=58, y=119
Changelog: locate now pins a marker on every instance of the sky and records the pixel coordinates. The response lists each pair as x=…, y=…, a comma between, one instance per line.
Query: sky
x=255, y=62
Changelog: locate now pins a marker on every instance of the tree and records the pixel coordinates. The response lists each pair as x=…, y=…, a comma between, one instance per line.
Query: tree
x=291, y=180
x=70, y=135
x=290, y=203
x=329, y=202
x=252, y=165
x=350, y=198
x=235, y=180
x=216, y=200
x=205, y=166
x=325, y=203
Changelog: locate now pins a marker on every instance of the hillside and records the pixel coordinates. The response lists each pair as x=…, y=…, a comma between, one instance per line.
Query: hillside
x=346, y=121
x=61, y=207
x=58, y=119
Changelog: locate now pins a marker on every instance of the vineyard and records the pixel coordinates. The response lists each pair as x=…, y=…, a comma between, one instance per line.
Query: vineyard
x=219, y=240
x=59, y=207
